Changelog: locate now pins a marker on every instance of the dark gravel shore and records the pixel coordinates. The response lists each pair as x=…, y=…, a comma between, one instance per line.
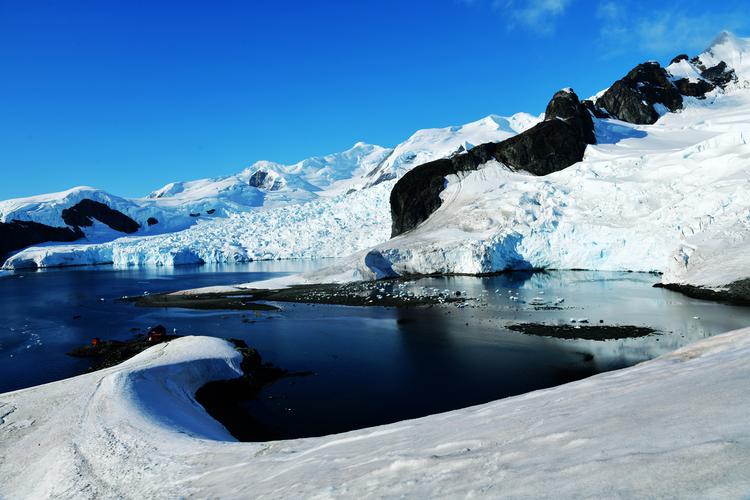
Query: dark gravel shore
x=370, y=293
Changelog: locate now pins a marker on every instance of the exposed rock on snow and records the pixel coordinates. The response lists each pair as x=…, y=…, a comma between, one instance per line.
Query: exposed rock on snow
x=135, y=431
x=633, y=98
x=82, y=214
x=554, y=144
x=19, y=234
x=430, y=144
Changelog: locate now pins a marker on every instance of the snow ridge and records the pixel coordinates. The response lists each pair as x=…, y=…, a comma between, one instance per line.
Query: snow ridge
x=135, y=431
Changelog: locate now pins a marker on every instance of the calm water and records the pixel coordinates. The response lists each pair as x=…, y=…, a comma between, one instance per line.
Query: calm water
x=371, y=365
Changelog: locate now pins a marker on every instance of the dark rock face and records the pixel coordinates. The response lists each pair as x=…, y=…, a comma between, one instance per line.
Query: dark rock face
x=720, y=75
x=717, y=76
x=565, y=106
x=152, y=221
x=595, y=110
x=18, y=234
x=258, y=180
x=680, y=58
x=554, y=144
x=82, y=213
x=737, y=292
x=632, y=98
x=694, y=89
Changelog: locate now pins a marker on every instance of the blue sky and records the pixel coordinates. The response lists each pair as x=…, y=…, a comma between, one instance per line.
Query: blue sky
x=130, y=95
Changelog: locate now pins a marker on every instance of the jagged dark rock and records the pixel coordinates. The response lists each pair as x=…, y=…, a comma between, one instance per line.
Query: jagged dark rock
x=259, y=180
x=152, y=221
x=720, y=75
x=82, y=213
x=632, y=98
x=554, y=144
x=566, y=106
x=694, y=89
x=596, y=110
x=18, y=234
x=680, y=58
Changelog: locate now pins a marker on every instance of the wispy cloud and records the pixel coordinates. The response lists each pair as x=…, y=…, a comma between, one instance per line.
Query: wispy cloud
x=539, y=16
x=666, y=32
x=624, y=27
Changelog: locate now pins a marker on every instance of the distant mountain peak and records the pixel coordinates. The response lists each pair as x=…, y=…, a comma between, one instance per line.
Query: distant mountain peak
x=732, y=50
x=722, y=38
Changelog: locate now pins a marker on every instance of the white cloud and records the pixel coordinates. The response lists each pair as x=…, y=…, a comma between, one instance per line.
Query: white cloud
x=624, y=27
x=667, y=32
x=537, y=15
x=540, y=15
x=610, y=11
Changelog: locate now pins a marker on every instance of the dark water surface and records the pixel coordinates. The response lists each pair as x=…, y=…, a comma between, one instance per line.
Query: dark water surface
x=371, y=365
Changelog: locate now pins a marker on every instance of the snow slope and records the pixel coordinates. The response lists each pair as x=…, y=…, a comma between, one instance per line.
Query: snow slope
x=734, y=51
x=431, y=144
x=280, y=184
x=672, y=427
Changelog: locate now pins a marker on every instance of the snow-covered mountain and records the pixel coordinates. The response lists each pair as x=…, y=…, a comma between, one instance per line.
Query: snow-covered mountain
x=665, y=192
x=330, y=183
x=274, y=184
x=672, y=197
x=429, y=144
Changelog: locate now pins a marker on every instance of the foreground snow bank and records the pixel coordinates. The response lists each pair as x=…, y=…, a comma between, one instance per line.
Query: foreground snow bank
x=83, y=436
x=674, y=426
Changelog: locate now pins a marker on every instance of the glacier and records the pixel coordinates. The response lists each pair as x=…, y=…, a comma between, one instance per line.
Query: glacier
x=328, y=206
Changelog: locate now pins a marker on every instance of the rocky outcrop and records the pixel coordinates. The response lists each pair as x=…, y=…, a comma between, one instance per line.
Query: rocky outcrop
x=632, y=99
x=554, y=144
x=717, y=76
x=18, y=234
x=263, y=180
x=720, y=75
x=82, y=214
x=694, y=89
x=679, y=58
x=737, y=292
